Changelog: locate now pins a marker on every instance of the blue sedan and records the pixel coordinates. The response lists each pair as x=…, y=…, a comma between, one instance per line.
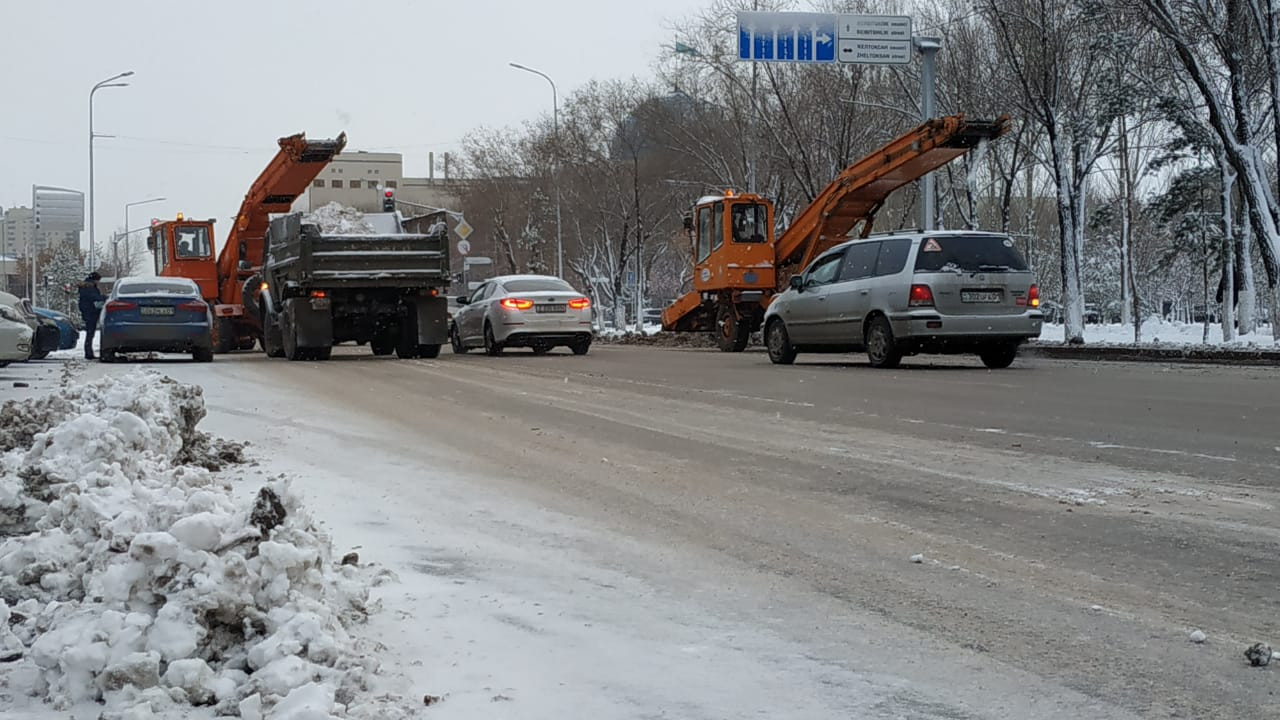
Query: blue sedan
x=156, y=315
x=68, y=335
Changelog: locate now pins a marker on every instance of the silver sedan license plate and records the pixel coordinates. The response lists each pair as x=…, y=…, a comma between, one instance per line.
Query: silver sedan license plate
x=981, y=296
x=548, y=308
x=156, y=310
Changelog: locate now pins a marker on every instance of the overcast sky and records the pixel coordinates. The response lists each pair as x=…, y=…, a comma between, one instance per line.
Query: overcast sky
x=217, y=82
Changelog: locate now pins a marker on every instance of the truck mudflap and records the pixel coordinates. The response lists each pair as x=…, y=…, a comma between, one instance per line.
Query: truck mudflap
x=308, y=323
x=432, y=315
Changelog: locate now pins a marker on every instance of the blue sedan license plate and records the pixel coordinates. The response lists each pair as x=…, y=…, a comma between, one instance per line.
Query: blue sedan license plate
x=157, y=310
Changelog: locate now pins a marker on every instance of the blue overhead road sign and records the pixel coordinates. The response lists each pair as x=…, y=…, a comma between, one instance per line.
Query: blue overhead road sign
x=787, y=37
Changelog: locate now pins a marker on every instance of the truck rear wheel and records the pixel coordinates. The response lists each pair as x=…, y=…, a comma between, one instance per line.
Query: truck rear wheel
x=429, y=351
x=289, y=334
x=272, y=342
x=382, y=345
x=407, y=338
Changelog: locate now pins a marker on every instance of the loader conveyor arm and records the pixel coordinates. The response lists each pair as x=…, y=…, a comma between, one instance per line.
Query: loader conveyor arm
x=289, y=173
x=858, y=192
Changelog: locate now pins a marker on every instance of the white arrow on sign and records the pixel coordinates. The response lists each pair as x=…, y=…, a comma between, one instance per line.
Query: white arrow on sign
x=464, y=247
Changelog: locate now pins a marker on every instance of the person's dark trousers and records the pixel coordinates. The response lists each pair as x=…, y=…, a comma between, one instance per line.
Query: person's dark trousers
x=90, y=327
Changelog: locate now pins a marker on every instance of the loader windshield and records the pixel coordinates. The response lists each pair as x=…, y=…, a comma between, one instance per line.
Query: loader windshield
x=749, y=223
x=192, y=241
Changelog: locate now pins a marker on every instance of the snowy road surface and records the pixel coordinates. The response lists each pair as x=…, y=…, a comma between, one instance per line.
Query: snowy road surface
x=685, y=534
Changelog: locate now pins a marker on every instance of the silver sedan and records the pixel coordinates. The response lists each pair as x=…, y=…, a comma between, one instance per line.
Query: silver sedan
x=539, y=312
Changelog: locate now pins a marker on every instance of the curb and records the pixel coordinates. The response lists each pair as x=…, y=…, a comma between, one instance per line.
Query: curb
x=1180, y=354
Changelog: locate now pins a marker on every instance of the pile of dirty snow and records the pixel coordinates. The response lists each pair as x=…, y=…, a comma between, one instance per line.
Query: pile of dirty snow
x=338, y=219
x=131, y=577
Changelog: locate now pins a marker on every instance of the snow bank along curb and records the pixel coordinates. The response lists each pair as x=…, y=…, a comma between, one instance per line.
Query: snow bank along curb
x=1154, y=353
x=130, y=576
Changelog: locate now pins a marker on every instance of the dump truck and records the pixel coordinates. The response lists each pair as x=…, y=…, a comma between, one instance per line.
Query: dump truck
x=739, y=266
x=184, y=247
x=385, y=287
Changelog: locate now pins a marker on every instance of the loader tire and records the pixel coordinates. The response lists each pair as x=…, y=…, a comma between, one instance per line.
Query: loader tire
x=732, y=330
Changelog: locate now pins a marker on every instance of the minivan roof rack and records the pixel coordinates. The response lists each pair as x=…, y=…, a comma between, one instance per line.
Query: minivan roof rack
x=900, y=231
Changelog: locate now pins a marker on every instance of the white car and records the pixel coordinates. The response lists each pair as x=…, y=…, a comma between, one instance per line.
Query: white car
x=539, y=312
x=15, y=336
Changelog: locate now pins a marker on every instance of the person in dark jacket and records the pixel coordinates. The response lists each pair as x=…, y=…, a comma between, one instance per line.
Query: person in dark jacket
x=91, y=299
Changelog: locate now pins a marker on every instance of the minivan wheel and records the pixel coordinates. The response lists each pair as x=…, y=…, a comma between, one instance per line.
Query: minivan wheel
x=882, y=351
x=781, y=351
x=999, y=355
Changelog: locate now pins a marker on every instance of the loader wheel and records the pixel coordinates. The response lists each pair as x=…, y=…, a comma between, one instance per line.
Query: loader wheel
x=429, y=351
x=732, y=331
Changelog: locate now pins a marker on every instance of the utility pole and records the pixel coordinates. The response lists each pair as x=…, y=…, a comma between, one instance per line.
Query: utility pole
x=109, y=82
x=555, y=125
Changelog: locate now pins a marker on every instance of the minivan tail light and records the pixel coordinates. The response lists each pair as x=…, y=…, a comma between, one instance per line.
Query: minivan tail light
x=118, y=305
x=921, y=296
x=579, y=303
x=516, y=303
x=1033, y=296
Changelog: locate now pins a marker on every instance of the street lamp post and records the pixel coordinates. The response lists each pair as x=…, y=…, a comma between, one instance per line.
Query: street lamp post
x=555, y=125
x=115, y=259
x=109, y=82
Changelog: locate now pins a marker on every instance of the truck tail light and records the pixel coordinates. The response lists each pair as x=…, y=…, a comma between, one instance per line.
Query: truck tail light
x=921, y=296
x=319, y=294
x=516, y=303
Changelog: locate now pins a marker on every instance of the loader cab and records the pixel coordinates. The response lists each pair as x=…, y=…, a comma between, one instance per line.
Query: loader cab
x=732, y=237
x=184, y=248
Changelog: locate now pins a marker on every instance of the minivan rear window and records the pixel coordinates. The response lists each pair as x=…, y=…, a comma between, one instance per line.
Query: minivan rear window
x=968, y=253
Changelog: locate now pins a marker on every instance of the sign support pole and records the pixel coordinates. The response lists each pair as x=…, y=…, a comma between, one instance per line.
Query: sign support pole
x=928, y=47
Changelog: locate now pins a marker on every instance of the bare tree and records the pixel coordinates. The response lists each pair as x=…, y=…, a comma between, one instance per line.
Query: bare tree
x=1212, y=41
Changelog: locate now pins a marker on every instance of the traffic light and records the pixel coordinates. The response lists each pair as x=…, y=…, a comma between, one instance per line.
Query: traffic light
x=388, y=201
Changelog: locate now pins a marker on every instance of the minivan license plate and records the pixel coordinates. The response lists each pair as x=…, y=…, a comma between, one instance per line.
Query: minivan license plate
x=981, y=296
x=157, y=310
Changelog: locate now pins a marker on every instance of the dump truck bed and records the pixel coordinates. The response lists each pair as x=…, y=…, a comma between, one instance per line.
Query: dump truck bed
x=300, y=253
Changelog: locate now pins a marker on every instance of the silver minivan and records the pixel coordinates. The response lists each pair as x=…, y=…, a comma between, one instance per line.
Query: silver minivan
x=908, y=293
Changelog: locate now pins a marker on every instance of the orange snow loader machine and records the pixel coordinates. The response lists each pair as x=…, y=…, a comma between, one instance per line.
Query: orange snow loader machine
x=184, y=248
x=738, y=263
